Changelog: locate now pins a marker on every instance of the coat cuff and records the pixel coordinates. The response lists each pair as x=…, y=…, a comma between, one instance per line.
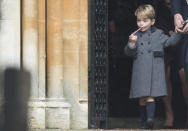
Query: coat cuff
x=179, y=35
x=131, y=46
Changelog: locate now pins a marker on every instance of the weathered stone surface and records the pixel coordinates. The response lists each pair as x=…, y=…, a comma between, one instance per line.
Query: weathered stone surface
x=10, y=33
x=75, y=37
x=58, y=118
x=36, y=115
x=54, y=114
x=30, y=42
x=67, y=41
x=42, y=48
x=54, y=49
x=57, y=115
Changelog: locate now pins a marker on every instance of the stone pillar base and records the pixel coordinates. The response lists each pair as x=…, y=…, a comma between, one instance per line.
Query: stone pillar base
x=49, y=114
x=57, y=114
x=36, y=114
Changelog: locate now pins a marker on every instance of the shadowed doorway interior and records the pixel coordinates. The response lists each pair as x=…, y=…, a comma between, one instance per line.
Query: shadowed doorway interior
x=122, y=110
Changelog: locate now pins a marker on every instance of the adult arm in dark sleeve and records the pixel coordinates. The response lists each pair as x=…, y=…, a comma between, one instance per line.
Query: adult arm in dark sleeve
x=176, y=6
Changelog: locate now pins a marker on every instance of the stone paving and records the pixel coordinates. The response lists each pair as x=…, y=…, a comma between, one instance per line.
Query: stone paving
x=122, y=124
x=113, y=130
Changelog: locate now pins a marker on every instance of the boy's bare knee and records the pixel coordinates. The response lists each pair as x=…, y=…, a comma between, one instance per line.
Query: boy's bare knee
x=150, y=99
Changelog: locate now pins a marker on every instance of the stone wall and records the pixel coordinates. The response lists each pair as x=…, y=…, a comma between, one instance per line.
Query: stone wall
x=9, y=33
x=54, y=49
x=63, y=41
x=75, y=39
x=9, y=41
x=9, y=37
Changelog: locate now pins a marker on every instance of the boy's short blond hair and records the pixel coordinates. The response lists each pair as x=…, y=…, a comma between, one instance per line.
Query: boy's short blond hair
x=145, y=11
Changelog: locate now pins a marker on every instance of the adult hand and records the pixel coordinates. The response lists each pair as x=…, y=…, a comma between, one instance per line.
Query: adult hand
x=185, y=29
x=178, y=20
x=179, y=30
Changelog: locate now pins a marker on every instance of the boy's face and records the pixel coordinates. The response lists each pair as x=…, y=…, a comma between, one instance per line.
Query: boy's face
x=145, y=23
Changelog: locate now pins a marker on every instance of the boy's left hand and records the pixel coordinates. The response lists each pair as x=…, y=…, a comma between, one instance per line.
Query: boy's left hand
x=132, y=39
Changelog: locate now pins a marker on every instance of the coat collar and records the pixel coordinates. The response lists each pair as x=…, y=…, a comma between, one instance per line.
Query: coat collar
x=153, y=29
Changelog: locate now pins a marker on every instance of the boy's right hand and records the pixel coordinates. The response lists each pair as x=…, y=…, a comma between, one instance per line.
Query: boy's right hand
x=132, y=39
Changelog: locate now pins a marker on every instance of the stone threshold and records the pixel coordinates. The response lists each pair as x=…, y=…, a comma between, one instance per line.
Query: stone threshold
x=109, y=130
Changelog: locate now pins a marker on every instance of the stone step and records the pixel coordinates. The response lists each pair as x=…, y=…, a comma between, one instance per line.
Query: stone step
x=110, y=130
x=122, y=124
x=131, y=123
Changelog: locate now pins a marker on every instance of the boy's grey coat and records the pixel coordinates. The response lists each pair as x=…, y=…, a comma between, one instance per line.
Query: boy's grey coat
x=148, y=76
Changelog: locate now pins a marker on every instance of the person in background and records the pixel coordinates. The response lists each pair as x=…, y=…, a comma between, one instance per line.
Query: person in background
x=165, y=22
x=173, y=61
x=179, y=10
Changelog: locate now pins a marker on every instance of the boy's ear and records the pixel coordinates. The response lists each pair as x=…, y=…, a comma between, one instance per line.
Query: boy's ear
x=153, y=21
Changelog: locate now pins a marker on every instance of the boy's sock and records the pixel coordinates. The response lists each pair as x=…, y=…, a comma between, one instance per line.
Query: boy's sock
x=143, y=115
x=143, y=112
x=150, y=108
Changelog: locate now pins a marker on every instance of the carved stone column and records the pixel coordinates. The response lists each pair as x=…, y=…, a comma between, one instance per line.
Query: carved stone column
x=54, y=49
x=30, y=42
x=42, y=47
x=57, y=110
x=30, y=59
x=75, y=37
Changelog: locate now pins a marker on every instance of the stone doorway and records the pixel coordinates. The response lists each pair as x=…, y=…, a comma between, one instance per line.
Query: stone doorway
x=122, y=22
x=116, y=18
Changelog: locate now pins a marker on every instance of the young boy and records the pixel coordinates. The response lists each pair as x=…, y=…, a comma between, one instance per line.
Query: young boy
x=146, y=47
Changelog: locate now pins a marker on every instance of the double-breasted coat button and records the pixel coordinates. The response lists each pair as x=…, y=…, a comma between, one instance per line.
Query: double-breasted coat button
x=141, y=43
x=141, y=52
x=149, y=51
x=140, y=35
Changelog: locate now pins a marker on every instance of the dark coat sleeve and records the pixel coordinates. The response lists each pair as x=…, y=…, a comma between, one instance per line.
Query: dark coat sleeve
x=170, y=41
x=130, y=50
x=176, y=6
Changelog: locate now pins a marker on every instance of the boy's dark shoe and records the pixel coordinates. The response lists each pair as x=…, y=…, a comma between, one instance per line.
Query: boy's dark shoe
x=143, y=125
x=143, y=117
x=150, y=124
x=168, y=127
